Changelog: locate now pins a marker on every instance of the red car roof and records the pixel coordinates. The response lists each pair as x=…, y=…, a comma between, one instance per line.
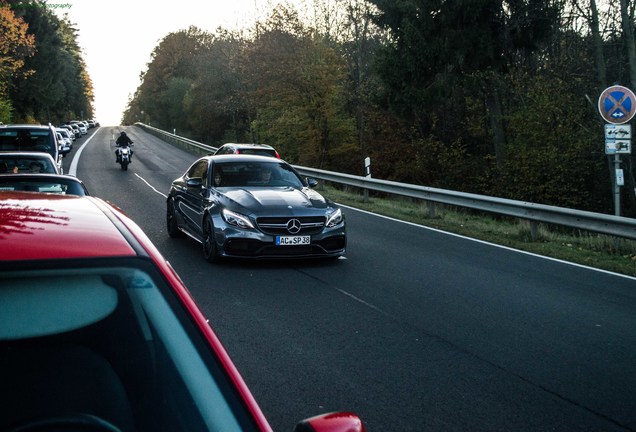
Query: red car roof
x=49, y=226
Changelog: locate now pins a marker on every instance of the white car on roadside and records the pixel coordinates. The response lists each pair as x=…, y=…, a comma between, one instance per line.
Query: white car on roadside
x=65, y=140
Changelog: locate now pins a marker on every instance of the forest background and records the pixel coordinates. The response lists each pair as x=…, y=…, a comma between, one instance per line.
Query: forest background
x=485, y=96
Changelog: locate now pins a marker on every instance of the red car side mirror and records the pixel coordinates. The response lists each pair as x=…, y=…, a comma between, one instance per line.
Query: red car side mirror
x=332, y=422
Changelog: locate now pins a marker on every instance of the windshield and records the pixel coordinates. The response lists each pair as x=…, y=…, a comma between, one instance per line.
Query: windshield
x=113, y=341
x=25, y=183
x=28, y=139
x=26, y=164
x=255, y=174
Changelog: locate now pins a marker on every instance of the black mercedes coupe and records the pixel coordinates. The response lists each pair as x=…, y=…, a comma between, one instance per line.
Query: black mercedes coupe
x=254, y=207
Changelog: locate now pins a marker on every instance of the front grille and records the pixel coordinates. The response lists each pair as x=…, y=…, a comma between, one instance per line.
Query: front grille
x=255, y=248
x=278, y=225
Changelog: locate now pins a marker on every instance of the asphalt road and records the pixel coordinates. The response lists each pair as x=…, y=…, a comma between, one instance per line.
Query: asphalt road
x=416, y=330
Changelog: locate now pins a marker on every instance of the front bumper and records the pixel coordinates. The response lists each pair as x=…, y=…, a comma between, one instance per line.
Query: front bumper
x=239, y=243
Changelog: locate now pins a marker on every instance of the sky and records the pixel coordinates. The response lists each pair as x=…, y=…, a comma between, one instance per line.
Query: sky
x=117, y=38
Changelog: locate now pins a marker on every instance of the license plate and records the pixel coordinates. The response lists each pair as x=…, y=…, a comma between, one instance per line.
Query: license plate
x=292, y=240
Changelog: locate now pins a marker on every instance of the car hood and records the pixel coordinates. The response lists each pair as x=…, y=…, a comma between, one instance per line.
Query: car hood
x=255, y=198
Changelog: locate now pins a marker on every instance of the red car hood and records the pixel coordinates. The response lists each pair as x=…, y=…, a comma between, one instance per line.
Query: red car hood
x=27, y=219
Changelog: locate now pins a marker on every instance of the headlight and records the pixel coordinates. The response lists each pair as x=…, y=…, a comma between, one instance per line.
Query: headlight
x=334, y=219
x=236, y=219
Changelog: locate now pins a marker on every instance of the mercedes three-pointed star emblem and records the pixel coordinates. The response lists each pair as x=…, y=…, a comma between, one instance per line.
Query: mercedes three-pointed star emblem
x=293, y=226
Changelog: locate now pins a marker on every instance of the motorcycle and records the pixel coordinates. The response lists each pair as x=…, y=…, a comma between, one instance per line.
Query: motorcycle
x=124, y=155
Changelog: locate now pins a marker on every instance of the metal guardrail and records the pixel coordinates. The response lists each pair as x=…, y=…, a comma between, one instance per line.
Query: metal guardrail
x=185, y=143
x=535, y=213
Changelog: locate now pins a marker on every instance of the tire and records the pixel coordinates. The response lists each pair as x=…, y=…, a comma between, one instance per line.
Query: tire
x=124, y=166
x=171, y=221
x=209, y=244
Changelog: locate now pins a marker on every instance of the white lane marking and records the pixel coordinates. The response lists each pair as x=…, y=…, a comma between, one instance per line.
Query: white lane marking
x=359, y=300
x=73, y=169
x=490, y=244
x=151, y=186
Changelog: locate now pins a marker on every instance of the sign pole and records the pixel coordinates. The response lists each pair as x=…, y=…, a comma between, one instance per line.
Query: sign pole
x=617, y=105
x=617, y=187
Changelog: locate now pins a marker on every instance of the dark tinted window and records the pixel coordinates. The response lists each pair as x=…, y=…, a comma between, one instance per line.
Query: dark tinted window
x=258, y=152
x=199, y=170
x=25, y=139
x=257, y=174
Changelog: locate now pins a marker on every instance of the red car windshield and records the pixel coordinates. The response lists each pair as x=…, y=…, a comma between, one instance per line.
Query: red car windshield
x=113, y=341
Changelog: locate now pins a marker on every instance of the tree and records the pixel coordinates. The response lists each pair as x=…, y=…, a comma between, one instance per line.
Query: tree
x=216, y=102
x=627, y=24
x=174, y=57
x=35, y=97
x=59, y=86
x=438, y=45
x=360, y=39
x=296, y=80
x=590, y=14
x=15, y=45
x=75, y=78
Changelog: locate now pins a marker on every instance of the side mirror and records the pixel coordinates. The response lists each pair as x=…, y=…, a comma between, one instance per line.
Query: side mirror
x=312, y=182
x=332, y=422
x=195, y=183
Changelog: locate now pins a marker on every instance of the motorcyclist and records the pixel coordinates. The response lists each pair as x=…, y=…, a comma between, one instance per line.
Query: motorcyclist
x=123, y=140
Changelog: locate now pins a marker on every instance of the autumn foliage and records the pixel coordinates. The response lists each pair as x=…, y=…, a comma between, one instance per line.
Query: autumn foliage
x=43, y=77
x=15, y=45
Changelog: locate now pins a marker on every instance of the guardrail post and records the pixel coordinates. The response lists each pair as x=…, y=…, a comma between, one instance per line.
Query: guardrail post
x=367, y=172
x=430, y=205
x=534, y=230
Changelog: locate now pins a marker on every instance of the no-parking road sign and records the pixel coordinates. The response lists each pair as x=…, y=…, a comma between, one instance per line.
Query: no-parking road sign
x=617, y=104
